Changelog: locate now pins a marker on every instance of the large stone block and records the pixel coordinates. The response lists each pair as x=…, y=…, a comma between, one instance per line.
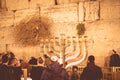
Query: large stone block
x=17, y=4
x=76, y=1
x=68, y=28
x=66, y=13
x=23, y=4
x=110, y=10
x=91, y=10
x=37, y=3
x=81, y=12
x=2, y=4
x=63, y=1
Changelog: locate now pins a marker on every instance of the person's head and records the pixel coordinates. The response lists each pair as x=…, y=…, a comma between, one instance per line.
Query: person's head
x=74, y=68
x=12, y=62
x=10, y=55
x=21, y=60
x=91, y=58
x=40, y=60
x=114, y=52
x=46, y=56
x=33, y=61
x=5, y=58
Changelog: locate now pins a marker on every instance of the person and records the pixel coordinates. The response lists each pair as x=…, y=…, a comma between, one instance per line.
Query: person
x=4, y=69
x=114, y=59
x=91, y=71
x=33, y=61
x=25, y=65
x=15, y=69
x=36, y=71
x=10, y=54
x=74, y=75
x=47, y=60
x=54, y=71
x=0, y=58
x=40, y=60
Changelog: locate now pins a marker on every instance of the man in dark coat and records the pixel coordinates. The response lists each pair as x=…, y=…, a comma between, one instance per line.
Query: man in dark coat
x=54, y=71
x=35, y=71
x=91, y=71
x=4, y=69
x=114, y=59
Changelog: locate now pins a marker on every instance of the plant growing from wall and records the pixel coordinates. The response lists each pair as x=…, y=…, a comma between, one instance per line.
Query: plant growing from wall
x=80, y=29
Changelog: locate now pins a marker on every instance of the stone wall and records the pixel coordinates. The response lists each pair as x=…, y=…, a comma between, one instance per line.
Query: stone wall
x=101, y=19
x=26, y=4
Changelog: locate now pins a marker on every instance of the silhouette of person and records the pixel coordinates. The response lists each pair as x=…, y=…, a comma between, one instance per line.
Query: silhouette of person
x=47, y=60
x=114, y=59
x=36, y=71
x=74, y=75
x=16, y=71
x=91, y=71
x=4, y=68
x=54, y=71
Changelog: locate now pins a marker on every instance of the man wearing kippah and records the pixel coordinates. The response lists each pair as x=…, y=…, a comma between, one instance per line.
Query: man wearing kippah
x=54, y=71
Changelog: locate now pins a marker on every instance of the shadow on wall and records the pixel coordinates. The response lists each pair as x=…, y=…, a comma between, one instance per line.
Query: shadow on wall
x=29, y=31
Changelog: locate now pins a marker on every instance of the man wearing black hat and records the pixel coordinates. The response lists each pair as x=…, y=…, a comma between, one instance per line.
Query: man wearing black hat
x=91, y=71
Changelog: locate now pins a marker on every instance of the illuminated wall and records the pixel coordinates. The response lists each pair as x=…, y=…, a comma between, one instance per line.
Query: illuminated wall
x=101, y=19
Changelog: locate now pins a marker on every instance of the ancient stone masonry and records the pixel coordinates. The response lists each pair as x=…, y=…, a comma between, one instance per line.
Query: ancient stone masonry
x=20, y=23
x=91, y=10
x=3, y=5
x=88, y=11
x=81, y=12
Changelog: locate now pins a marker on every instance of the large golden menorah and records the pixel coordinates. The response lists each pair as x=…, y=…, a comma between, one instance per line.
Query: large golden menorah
x=71, y=50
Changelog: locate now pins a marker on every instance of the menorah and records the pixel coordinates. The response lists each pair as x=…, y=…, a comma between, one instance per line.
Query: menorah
x=71, y=50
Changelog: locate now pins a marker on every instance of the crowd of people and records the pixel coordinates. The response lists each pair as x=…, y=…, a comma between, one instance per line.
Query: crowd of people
x=11, y=68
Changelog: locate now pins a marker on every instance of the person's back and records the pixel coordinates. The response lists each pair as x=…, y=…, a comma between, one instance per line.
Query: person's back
x=91, y=72
x=74, y=75
x=114, y=60
x=4, y=69
x=4, y=72
x=36, y=72
x=18, y=73
x=55, y=76
x=54, y=72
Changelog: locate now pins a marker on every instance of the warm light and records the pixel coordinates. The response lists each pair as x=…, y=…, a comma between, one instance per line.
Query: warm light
x=27, y=79
x=60, y=61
